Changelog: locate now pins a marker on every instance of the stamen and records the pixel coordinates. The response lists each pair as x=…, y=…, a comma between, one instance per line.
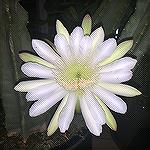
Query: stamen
x=76, y=75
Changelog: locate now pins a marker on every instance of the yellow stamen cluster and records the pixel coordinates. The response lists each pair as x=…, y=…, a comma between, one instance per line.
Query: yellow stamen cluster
x=76, y=75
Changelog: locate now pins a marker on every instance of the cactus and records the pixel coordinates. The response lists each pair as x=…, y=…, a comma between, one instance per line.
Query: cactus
x=15, y=38
x=138, y=28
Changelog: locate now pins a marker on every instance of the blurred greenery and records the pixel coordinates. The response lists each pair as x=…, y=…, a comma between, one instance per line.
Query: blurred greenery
x=15, y=37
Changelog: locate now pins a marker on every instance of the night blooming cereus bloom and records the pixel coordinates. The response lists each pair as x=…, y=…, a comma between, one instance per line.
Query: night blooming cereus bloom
x=83, y=71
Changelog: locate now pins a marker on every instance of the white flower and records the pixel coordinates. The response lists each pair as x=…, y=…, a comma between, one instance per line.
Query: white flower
x=83, y=71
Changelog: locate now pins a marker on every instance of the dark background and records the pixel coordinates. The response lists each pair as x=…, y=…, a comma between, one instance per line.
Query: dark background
x=132, y=18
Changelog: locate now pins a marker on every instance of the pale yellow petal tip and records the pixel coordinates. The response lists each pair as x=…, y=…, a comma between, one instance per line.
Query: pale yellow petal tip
x=15, y=88
x=59, y=26
x=22, y=55
x=131, y=42
x=87, y=24
x=87, y=16
x=114, y=128
x=138, y=92
x=18, y=88
x=112, y=124
x=51, y=129
x=128, y=43
x=100, y=32
x=58, y=22
x=49, y=133
x=53, y=126
x=101, y=28
x=78, y=110
x=25, y=57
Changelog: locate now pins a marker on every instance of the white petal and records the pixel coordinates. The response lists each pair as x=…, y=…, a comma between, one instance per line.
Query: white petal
x=97, y=37
x=25, y=86
x=67, y=114
x=105, y=49
x=111, y=100
x=75, y=39
x=86, y=45
x=36, y=70
x=62, y=45
x=92, y=125
x=119, y=52
x=116, y=76
x=121, y=89
x=41, y=91
x=53, y=125
x=42, y=105
x=94, y=108
x=123, y=63
x=45, y=51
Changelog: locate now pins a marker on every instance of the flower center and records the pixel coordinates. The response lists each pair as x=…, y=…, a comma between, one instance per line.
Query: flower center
x=76, y=75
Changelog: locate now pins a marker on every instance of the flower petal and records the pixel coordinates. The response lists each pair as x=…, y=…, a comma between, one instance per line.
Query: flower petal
x=45, y=103
x=120, y=51
x=67, y=113
x=123, y=63
x=54, y=121
x=27, y=57
x=121, y=89
x=35, y=70
x=78, y=105
x=110, y=120
x=75, y=39
x=105, y=49
x=114, y=102
x=94, y=108
x=92, y=125
x=45, y=51
x=26, y=86
x=51, y=44
x=85, y=45
x=116, y=76
x=87, y=24
x=97, y=37
x=62, y=30
x=41, y=91
x=62, y=45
